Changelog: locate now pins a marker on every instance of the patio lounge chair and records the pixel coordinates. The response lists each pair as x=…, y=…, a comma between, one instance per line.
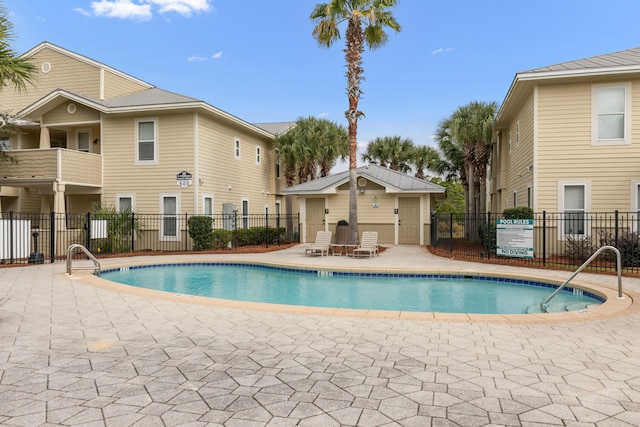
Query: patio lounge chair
x=321, y=245
x=368, y=244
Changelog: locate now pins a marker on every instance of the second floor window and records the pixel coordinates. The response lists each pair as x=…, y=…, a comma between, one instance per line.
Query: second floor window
x=146, y=142
x=611, y=114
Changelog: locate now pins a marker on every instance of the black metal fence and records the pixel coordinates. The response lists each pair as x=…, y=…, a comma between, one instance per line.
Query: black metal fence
x=560, y=240
x=38, y=238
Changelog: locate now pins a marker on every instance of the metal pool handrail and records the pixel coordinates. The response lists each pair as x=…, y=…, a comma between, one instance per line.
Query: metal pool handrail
x=587, y=262
x=70, y=249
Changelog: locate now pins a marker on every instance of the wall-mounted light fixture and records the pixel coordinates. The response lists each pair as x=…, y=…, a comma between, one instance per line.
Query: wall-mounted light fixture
x=326, y=211
x=95, y=141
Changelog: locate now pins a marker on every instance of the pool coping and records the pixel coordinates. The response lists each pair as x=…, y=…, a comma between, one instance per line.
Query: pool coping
x=612, y=307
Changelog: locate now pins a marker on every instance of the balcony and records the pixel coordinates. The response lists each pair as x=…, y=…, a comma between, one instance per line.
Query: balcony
x=40, y=166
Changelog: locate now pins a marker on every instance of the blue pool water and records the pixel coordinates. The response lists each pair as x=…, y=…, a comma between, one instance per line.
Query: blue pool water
x=424, y=292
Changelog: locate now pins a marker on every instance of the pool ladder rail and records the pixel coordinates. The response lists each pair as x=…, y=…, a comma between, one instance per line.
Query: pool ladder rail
x=95, y=267
x=545, y=305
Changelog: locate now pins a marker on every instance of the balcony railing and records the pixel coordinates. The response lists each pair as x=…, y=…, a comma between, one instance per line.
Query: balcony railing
x=55, y=163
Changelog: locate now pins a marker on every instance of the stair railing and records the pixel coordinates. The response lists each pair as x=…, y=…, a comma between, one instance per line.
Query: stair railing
x=587, y=262
x=95, y=267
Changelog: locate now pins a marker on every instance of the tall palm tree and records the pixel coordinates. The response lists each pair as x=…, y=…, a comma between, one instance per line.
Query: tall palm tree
x=366, y=23
x=393, y=152
x=15, y=72
x=471, y=125
x=424, y=157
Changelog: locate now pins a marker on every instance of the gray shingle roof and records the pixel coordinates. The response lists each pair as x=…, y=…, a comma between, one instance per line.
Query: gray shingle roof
x=624, y=58
x=149, y=97
x=275, y=128
x=392, y=180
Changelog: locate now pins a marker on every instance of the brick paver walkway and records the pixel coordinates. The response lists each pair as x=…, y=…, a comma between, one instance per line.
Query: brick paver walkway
x=75, y=354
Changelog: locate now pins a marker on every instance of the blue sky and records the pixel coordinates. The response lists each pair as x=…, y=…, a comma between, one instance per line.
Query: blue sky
x=257, y=59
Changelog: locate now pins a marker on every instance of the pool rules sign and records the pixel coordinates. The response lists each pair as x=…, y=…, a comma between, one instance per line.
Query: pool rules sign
x=514, y=238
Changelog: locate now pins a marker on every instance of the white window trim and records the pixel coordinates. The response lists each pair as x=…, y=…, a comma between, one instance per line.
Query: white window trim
x=155, y=142
x=237, y=143
x=126, y=196
x=258, y=155
x=89, y=139
x=244, y=216
x=204, y=203
x=162, y=237
x=634, y=207
x=587, y=204
x=278, y=165
x=627, y=115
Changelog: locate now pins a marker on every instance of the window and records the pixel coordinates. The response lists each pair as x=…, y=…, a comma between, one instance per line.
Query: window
x=574, y=209
x=236, y=148
x=125, y=202
x=169, y=222
x=146, y=142
x=83, y=138
x=207, y=207
x=258, y=155
x=611, y=121
x=529, y=196
x=278, y=214
x=245, y=214
x=5, y=144
x=277, y=167
x=515, y=199
x=517, y=133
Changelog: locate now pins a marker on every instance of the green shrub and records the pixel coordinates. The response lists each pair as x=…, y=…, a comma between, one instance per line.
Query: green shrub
x=201, y=231
x=628, y=245
x=579, y=249
x=487, y=234
x=222, y=238
x=521, y=212
x=121, y=228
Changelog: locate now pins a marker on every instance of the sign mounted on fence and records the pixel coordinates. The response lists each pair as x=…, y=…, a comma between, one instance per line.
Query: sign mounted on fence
x=184, y=179
x=514, y=238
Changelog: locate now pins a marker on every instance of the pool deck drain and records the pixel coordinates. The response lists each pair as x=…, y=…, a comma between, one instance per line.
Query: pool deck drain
x=81, y=355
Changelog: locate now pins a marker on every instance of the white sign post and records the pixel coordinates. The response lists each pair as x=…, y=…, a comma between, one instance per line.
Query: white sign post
x=514, y=238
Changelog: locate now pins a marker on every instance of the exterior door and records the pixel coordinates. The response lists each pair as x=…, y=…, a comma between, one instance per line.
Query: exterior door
x=315, y=218
x=409, y=220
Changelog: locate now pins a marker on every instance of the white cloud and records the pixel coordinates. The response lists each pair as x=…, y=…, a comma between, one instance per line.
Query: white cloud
x=324, y=115
x=217, y=55
x=82, y=11
x=142, y=10
x=123, y=9
x=441, y=50
x=196, y=58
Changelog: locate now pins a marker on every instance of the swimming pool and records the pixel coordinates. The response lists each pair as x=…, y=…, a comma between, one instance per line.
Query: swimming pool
x=372, y=291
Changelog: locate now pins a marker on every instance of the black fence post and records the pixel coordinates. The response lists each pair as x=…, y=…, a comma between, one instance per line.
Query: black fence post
x=186, y=232
x=617, y=228
x=266, y=227
x=52, y=237
x=490, y=235
x=133, y=231
x=544, y=237
x=451, y=232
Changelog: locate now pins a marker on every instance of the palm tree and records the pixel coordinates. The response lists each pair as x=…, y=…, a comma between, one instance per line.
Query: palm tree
x=472, y=125
x=424, y=157
x=366, y=23
x=15, y=72
x=310, y=147
x=393, y=152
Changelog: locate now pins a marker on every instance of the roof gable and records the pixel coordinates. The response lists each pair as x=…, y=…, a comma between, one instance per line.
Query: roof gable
x=392, y=181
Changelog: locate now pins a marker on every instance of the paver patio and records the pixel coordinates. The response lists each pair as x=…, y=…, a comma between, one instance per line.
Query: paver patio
x=76, y=354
